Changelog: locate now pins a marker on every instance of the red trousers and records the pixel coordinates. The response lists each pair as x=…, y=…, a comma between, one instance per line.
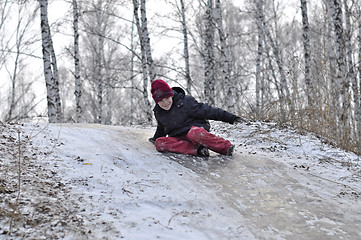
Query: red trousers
x=189, y=143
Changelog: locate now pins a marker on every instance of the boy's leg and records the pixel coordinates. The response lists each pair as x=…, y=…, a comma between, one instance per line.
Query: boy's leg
x=198, y=135
x=176, y=145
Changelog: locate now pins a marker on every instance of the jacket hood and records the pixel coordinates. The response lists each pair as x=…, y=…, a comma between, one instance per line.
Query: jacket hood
x=179, y=90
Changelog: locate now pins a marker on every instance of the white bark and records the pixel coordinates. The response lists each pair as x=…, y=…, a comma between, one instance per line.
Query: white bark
x=132, y=78
x=59, y=114
x=78, y=84
x=108, y=89
x=209, y=78
x=50, y=67
x=358, y=107
x=341, y=83
x=146, y=41
x=144, y=63
x=351, y=73
x=224, y=57
x=99, y=59
x=307, y=54
x=259, y=105
x=186, y=49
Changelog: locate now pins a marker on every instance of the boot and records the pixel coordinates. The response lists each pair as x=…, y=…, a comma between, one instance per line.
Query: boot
x=203, y=152
x=230, y=150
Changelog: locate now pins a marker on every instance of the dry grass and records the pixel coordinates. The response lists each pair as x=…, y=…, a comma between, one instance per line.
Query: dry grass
x=34, y=203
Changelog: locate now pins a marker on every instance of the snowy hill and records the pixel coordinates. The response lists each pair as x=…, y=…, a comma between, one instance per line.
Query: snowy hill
x=82, y=181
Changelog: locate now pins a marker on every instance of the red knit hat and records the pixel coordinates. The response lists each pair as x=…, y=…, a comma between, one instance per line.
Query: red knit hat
x=160, y=90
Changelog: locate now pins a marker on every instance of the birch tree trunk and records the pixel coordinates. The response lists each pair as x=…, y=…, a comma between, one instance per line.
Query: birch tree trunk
x=341, y=83
x=144, y=62
x=209, y=78
x=146, y=41
x=358, y=111
x=358, y=95
x=50, y=67
x=186, y=49
x=351, y=73
x=260, y=36
x=59, y=114
x=78, y=85
x=99, y=60
x=132, y=77
x=307, y=55
x=224, y=57
x=108, y=89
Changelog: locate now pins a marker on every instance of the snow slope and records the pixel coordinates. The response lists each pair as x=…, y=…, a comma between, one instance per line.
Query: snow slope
x=82, y=181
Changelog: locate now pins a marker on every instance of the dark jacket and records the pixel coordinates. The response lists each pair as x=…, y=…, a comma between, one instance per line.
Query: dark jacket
x=185, y=113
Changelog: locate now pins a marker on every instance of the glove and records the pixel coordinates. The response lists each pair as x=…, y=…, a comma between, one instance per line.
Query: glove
x=238, y=120
x=152, y=140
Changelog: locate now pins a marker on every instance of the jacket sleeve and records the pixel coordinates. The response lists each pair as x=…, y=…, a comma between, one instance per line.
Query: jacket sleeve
x=205, y=111
x=160, y=132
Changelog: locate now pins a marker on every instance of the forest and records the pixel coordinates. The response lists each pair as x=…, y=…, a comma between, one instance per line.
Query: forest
x=295, y=62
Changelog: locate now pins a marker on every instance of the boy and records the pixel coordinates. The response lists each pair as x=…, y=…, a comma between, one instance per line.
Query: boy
x=184, y=120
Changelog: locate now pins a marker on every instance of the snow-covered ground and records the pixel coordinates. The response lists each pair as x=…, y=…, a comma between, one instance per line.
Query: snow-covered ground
x=83, y=181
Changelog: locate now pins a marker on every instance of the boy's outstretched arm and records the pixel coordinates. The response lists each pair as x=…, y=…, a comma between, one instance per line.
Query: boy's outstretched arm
x=203, y=110
x=158, y=133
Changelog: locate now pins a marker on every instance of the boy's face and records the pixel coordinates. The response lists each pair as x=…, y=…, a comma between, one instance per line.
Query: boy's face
x=166, y=103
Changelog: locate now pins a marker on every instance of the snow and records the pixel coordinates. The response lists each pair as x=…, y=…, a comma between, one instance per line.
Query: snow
x=90, y=181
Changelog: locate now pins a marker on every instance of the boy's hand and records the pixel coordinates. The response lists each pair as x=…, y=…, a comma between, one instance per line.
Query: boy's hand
x=239, y=120
x=152, y=140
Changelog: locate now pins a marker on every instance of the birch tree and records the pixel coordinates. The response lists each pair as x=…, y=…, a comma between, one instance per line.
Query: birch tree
x=224, y=57
x=260, y=39
x=108, y=89
x=144, y=61
x=78, y=85
x=307, y=54
x=132, y=72
x=186, y=48
x=209, y=65
x=98, y=77
x=351, y=73
x=146, y=41
x=341, y=83
x=50, y=67
x=358, y=95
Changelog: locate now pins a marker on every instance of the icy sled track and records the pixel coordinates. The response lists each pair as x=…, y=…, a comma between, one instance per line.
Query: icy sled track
x=125, y=189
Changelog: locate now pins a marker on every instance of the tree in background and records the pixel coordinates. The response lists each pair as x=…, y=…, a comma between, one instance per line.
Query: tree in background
x=259, y=79
x=144, y=42
x=307, y=56
x=22, y=102
x=76, y=55
x=228, y=95
x=340, y=82
x=357, y=87
x=186, y=47
x=208, y=52
x=50, y=67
